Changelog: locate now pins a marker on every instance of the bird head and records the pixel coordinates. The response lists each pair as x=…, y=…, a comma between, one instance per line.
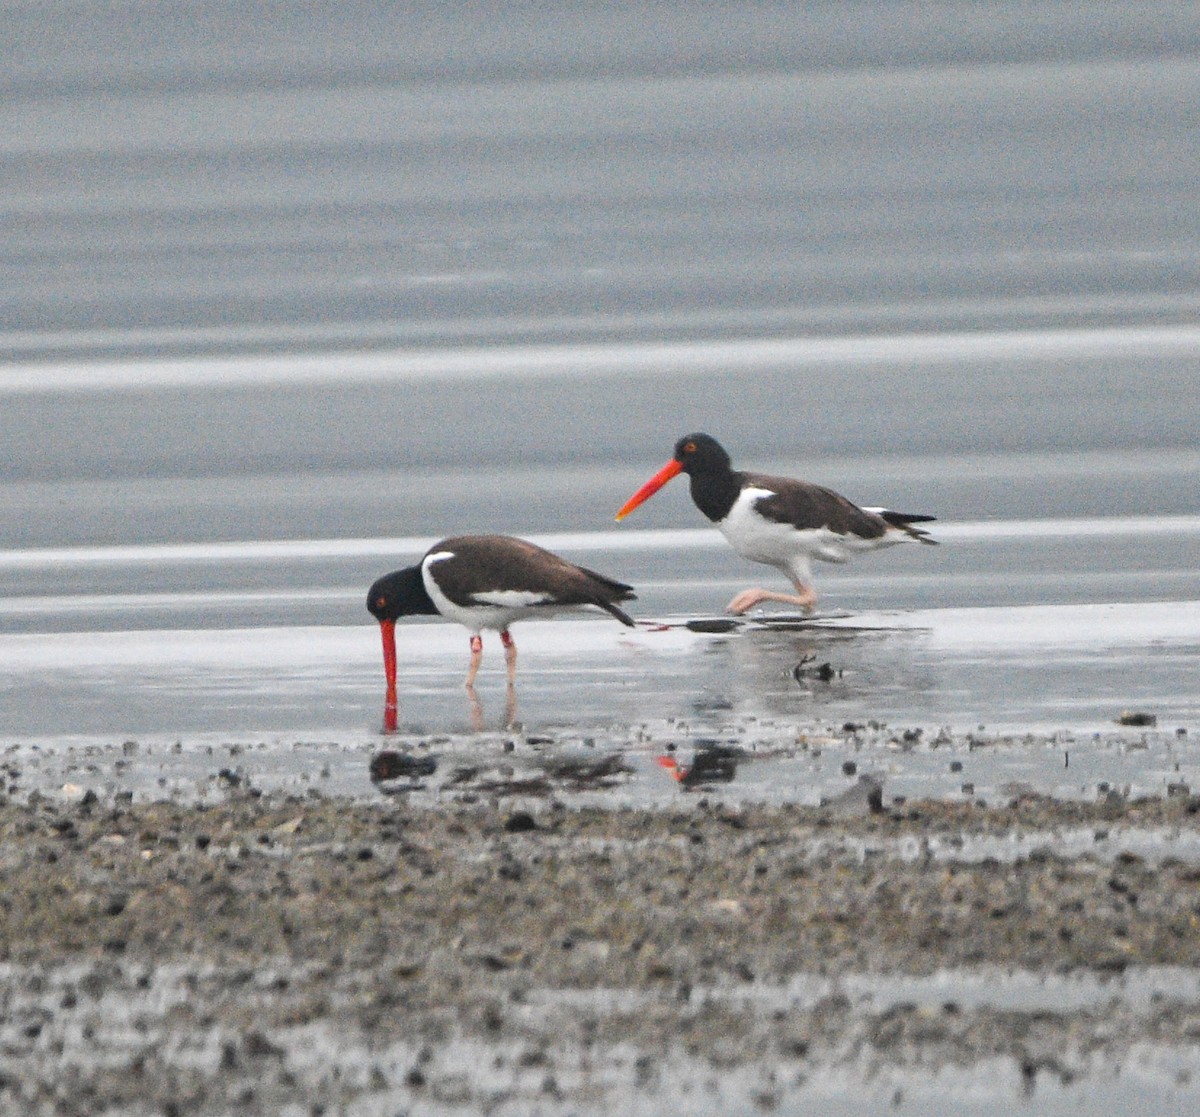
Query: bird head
x=398, y=594
x=694, y=453
x=700, y=453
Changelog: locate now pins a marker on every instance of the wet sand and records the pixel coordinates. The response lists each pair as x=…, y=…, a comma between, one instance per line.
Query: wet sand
x=494, y=940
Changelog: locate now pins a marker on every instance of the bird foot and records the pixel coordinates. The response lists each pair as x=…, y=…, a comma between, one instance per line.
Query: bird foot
x=747, y=599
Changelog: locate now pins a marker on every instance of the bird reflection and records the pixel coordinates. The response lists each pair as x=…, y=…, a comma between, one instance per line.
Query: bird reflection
x=475, y=711
x=389, y=766
x=710, y=764
x=476, y=707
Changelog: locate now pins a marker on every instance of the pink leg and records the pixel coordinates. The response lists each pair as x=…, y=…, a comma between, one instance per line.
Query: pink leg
x=476, y=656
x=510, y=656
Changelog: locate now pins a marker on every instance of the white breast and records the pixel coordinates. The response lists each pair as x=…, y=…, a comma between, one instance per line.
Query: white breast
x=757, y=538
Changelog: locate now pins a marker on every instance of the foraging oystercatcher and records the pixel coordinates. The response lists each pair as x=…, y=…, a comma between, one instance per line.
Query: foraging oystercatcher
x=777, y=520
x=487, y=581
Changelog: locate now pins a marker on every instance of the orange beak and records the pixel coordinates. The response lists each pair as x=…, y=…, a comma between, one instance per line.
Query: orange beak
x=672, y=766
x=388, y=631
x=671, y=469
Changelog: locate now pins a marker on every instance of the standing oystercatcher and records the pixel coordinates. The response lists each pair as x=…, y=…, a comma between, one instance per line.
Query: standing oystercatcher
x=776, y=520
x=487, y=581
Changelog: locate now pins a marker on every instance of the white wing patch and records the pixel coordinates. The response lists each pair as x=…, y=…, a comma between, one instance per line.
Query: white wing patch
x=511, y=599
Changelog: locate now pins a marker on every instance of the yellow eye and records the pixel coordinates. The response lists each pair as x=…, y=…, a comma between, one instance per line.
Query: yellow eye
x=380, y=602
x=690, y=448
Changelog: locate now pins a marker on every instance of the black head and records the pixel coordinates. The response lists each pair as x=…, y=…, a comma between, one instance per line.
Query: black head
x=399, y=594
x=701, y=453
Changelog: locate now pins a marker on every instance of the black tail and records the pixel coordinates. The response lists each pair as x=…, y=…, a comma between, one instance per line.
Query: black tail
x=608, y=590
x=905, y=520
x=620, y=614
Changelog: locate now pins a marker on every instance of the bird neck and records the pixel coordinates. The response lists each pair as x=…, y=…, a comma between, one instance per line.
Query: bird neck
x=419, y=602
x=715, y=492
x=408, y=593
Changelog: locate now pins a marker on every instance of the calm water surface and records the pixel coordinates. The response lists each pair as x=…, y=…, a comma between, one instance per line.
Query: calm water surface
x=358, y=280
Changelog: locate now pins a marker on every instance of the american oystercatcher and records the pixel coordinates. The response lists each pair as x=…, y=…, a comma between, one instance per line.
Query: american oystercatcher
x=777, y=520
x=487, y=581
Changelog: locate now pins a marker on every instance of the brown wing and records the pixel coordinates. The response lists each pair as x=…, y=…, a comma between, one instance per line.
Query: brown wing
x=484, y=563
x=807, y=507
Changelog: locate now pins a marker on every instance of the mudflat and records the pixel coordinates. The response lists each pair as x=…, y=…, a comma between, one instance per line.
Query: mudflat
x=501, y=953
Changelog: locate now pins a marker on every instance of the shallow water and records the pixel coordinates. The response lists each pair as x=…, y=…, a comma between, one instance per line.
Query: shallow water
x=971, y=703
x=1073, y=668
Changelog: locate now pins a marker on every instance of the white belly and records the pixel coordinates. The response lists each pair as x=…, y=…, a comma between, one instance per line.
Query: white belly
x=786, y=547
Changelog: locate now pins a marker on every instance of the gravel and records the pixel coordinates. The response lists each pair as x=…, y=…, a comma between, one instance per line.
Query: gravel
x=278, y=953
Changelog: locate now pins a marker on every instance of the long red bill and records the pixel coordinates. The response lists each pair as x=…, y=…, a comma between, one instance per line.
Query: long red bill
x=671, y=469
x=388, y=631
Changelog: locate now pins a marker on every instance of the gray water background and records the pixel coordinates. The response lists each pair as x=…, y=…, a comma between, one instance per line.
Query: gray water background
x=362, y=272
